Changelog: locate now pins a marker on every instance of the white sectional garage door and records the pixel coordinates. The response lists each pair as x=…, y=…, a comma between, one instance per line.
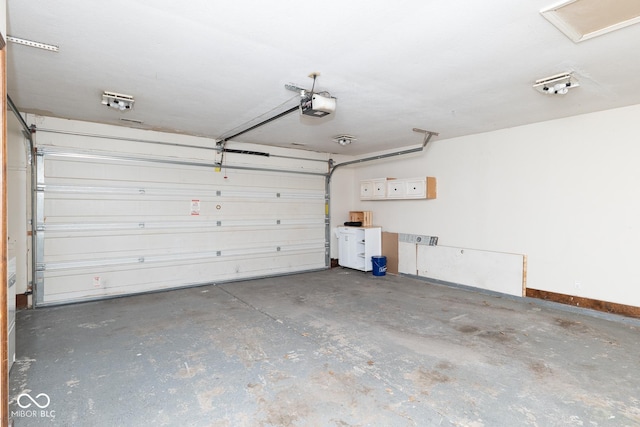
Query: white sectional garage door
x=119, y=222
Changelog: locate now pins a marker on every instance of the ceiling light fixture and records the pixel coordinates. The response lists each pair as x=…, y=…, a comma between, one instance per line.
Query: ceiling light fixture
x=556, y=85
x=344, y=140
x=31, y=43
x=117, y=101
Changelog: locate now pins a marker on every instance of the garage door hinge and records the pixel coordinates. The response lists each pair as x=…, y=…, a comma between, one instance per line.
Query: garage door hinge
x=141, y=225
x=41, y=267
x=40, y=227
x=141, y=259
x=40, y=187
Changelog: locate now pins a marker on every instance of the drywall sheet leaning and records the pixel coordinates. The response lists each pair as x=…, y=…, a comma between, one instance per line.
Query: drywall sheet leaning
x=495, y=271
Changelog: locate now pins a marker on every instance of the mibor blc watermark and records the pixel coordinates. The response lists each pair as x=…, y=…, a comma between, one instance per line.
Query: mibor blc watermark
x=33, y=407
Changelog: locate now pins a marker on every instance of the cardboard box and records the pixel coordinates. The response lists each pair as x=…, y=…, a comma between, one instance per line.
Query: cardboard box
x=365, y=217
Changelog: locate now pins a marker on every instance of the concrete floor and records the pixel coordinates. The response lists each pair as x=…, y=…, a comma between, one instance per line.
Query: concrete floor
x=330, y=348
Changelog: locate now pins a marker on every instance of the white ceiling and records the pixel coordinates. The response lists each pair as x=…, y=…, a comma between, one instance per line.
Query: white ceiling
x=206, y=67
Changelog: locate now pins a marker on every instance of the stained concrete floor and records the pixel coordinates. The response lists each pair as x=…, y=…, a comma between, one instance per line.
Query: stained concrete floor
x=330, y=348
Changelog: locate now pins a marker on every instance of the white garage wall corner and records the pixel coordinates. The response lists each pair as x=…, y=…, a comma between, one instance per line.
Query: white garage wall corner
x=562, y=192
x=342, y=200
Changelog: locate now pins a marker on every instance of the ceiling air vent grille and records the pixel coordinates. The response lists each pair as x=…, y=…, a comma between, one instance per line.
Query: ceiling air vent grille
x=584, y=19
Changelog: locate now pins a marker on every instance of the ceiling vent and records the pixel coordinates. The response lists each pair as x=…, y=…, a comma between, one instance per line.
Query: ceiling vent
x=556, y=85
x=584, y=19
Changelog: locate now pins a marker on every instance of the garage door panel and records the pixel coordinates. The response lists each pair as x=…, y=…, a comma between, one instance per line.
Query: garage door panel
x=104, y=172
x=80, y=208
x=221, y=208
x=124, y=260
x=108, y=225
x=83, y=284
x=81, y=169
x=181, y=241
x=57, y=253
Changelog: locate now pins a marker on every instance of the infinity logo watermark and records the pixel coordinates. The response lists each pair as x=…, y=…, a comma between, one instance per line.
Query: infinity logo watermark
x=44, y=403
x=26, y=401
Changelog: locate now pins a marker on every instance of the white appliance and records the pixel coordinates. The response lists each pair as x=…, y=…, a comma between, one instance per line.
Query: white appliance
x=356, y=246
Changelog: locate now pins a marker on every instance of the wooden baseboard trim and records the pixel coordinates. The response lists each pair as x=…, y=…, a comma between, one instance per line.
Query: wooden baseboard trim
x=593, y=304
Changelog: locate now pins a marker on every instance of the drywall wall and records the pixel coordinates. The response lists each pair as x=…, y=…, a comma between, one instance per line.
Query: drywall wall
x=562, y=192
x=341, y=198
x=3, y=18
x=18, y=202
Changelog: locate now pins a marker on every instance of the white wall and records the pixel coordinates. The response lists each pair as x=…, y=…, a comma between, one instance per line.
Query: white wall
x=3, y=18
x=563, y=192
x=341, y=200
x=18, y=202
